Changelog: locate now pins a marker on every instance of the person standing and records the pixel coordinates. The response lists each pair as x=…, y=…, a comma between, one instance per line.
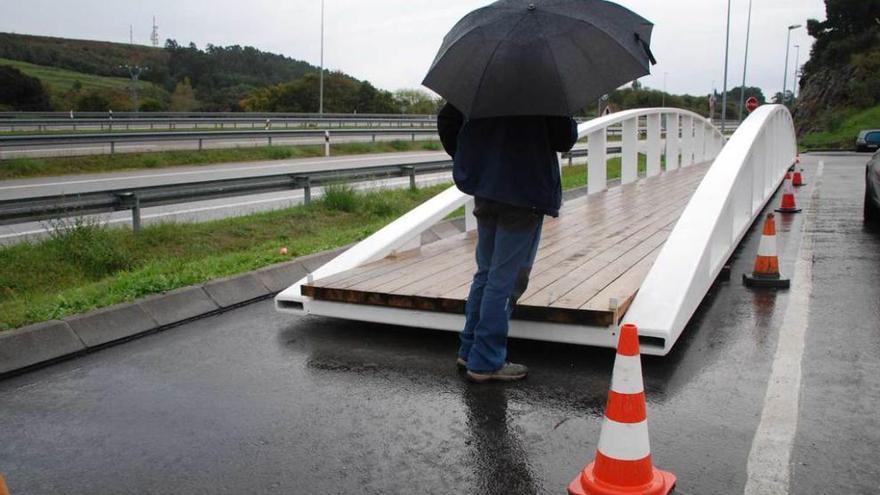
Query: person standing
x=510, y=166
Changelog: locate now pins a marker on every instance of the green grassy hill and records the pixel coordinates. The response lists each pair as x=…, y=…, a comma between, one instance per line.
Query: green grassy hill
x=65, y=80
x=843, y=135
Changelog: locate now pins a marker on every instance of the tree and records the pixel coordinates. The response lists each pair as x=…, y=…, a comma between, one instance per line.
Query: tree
x=92, y=102
x=183, y=99
x=22, y=92
x=415, y=101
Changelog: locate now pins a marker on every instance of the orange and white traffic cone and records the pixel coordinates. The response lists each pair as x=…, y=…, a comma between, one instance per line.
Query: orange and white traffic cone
x=789, y=204
x=623, y=457
x=766, y=272
x=798, y=178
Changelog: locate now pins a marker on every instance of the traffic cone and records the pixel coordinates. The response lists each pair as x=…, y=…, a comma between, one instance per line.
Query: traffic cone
x=798, y=178
x=789, y=205
x=623, y=457
x=4, y=490
x=766, y=273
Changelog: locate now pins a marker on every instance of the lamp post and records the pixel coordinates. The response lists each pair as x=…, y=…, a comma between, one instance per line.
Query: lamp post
x=664, y=89
x=787, y=45
x=321, y=97
x=797, y=60
x=726, y=54
x=742, y=91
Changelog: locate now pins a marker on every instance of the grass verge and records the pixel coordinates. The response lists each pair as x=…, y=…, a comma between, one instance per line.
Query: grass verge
x=84, y=266
x=842, y=134
x=21, y=168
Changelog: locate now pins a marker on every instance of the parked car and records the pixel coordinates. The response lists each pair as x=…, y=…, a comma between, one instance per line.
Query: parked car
x=872, y=190
x=868, y=140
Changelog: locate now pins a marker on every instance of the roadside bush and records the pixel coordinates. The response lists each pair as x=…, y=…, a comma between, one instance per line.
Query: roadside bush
x=152, y=105
x=92, y=102
x=340, y=197
x=89, y=246
x=22, y=92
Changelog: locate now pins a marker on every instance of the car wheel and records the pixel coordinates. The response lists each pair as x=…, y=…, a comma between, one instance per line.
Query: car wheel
x=871, y=212
x=861, y=149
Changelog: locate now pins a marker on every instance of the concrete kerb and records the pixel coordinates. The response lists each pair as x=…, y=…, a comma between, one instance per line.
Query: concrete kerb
x=43, y=343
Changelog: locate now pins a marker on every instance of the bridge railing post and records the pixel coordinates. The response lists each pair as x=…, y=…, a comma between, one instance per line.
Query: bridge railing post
x=597, y=162
x=470, y=221
x=673, y=129
x=687, y=141
x=699, y=141
x=653, y=154
x=629, y=162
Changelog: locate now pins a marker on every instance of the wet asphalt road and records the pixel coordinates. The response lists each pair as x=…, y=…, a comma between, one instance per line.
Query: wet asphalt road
x=256, y=402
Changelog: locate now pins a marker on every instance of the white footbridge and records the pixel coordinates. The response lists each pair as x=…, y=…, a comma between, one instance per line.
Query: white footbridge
x=644, y=249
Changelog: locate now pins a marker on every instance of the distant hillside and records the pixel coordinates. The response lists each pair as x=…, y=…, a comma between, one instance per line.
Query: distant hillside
x=220, y=76
x=842, y=77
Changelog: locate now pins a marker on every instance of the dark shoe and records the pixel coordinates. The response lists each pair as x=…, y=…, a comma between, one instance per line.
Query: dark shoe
x=508, y=373
x=461, y=364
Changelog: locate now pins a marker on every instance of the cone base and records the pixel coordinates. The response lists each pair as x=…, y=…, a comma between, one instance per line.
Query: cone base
x=789, y=210
x=586, y=484
x=758, y=281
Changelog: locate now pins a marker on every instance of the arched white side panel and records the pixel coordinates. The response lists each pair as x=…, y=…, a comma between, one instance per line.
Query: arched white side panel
x=735, y=190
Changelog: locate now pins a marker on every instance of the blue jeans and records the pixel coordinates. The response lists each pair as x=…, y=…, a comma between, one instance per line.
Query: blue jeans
x=504, y=260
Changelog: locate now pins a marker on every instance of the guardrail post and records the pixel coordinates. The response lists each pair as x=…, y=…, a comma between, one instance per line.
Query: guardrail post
x=326, y=143
x=672, y=145
x=597, y=162
x=112, y=147
x=653, y=128
x=270, y=140
x=200, y=144
x=130, y=200
x=629, y=162
x=470, y=221
x=410, y=171
x=306, y=184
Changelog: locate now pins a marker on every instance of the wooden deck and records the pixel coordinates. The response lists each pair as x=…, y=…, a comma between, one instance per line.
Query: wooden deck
x=589, y=266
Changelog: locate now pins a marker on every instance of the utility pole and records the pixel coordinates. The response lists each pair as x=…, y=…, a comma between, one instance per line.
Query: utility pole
x=726, y=55
x=130, y=34
x=797, y=60
x=321, y=97
x=154, y=36
x=134, y=71
x=742, y=92
x=664, y=89
x=787, y=45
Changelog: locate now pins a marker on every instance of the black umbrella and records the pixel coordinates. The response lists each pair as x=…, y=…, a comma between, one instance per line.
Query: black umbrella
x=533, y=57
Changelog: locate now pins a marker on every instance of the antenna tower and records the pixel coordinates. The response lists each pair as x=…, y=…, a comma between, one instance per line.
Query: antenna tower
x=154, y=37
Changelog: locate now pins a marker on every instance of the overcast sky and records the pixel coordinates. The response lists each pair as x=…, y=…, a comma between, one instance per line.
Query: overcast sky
x=392, y=42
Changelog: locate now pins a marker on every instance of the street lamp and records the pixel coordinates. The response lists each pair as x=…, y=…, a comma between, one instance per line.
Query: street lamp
x=787, y=45
x=664, y=89
x=726, y=54
x=742, y=91
x=321, y=97
x=797, y=60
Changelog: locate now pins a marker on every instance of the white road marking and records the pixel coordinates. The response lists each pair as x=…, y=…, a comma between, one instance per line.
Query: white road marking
x=208, y=170
x=769, y=464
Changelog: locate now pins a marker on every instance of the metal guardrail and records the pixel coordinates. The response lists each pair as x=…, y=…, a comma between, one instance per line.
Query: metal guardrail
x=153, y=123
x=202, y=115
x=48, y=207
x=199, y=137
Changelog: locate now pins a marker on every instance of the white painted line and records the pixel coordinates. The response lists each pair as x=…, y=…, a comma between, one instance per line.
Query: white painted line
x=769, y=464
x=218, y=170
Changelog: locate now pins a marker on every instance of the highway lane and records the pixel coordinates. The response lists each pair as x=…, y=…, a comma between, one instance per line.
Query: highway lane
x=252, y=401
x=72, y=184
x=50, y=150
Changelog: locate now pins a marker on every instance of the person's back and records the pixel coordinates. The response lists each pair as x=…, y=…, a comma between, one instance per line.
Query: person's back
x=510, y=166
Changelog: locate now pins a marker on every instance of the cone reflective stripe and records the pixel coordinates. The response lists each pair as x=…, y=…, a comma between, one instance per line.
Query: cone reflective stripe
x=766, y=273
x=623, y=456
x=798, y=178
x=789, y=204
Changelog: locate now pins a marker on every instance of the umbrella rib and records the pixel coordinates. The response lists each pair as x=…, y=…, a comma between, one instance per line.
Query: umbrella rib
x=558, y=78
x=492, y=57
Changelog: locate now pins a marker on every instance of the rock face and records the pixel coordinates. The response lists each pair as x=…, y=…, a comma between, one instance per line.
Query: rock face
x=826, y=90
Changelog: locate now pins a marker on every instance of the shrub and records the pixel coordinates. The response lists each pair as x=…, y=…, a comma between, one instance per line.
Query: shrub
x=340, y=197
x=89, y=246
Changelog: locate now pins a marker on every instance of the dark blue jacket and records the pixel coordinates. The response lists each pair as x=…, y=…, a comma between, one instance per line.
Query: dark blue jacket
x=510, y=160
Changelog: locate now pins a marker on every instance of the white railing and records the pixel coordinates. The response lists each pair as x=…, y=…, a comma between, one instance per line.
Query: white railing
x=734, y=192
x=689, y=138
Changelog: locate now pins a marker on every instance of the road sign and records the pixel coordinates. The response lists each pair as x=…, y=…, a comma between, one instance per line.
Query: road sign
x=752, y=104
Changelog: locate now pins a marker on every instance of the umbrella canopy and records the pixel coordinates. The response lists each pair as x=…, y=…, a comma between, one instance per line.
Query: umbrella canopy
x=533, y=57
